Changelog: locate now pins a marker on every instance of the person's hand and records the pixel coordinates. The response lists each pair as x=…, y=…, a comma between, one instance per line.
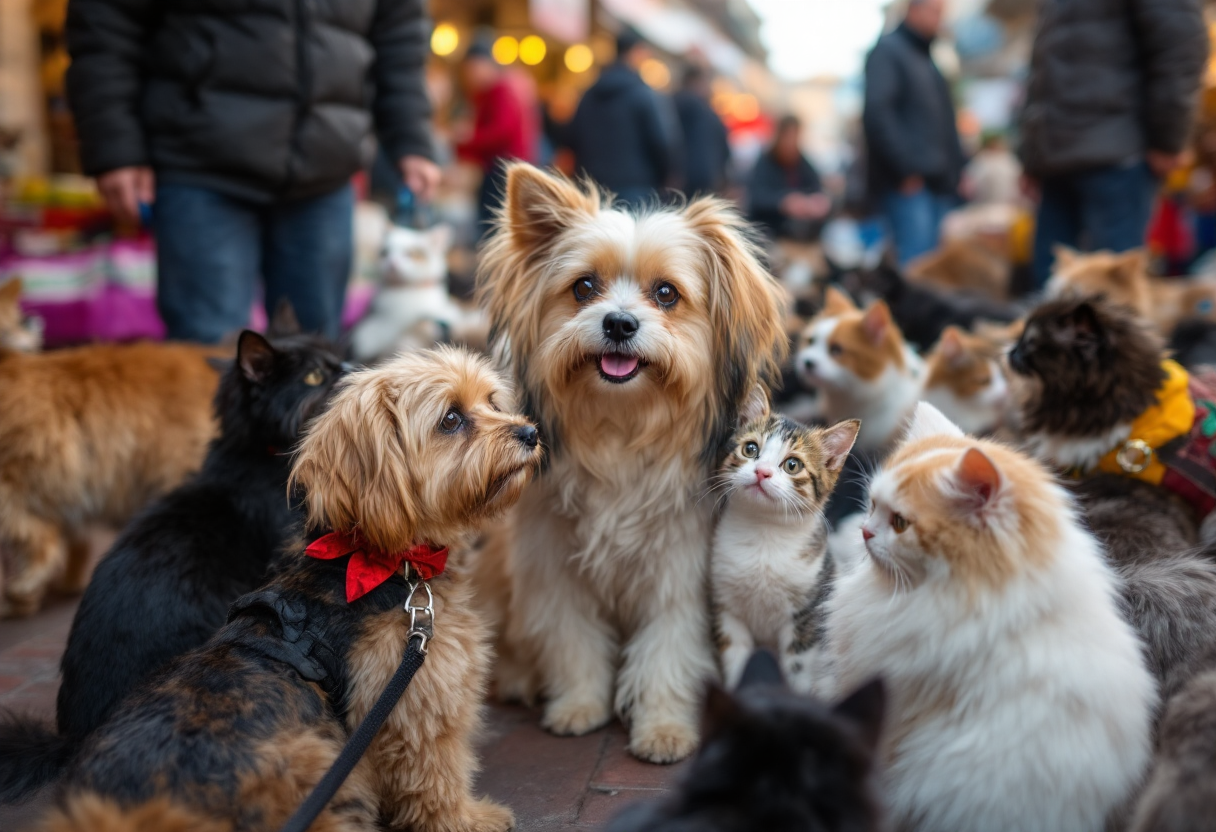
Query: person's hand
x=818, y=206
x=791, y=205
x=421, y=176
x=1029, y=186
x=123, y=189
x=912, y=185
x=1163, y=164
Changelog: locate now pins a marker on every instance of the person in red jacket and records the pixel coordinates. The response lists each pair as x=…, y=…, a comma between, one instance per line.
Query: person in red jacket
x=504, y=126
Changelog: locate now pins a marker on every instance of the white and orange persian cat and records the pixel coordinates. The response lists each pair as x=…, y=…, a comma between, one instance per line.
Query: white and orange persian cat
x=1018, y=696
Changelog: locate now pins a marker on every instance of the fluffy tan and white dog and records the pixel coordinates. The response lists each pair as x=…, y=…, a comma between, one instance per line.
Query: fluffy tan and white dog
x=633, y=338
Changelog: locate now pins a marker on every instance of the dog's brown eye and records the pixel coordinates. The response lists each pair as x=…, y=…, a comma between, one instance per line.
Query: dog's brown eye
x=835, y=349
x=584, y=288
x=792, y=465
x=666, y=295
x=314, y=378
x=899, y=523
x=751, y=450
x=451, y=422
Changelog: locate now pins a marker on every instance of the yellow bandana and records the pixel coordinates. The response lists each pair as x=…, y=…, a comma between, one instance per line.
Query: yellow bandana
x=1171, y=417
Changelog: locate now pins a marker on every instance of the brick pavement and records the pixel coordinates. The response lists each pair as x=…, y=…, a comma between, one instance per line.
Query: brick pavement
x=552, y=783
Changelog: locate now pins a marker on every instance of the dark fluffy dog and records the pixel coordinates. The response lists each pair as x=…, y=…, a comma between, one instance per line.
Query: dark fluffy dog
x=777, y=762
x=234, y=735
x=166, y=584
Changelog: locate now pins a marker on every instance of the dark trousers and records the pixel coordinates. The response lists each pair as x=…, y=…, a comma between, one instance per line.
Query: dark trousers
x=214, y=250
x=1104, y=208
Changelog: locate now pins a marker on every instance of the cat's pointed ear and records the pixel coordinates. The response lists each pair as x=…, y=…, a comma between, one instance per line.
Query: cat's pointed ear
x=977, y=478
x=10, y=291
x=1132, y=266
x=865, y=708
x=721, y=709
x=539, y=207
x=877, y=321
x=836, y=302
x=284, y=321
x=255, y=356
x=837, y=442
x=755, y=406
x=927, y=420
x=440, y=236
x=762, y=669
x=1064, y=256
x=950, y=345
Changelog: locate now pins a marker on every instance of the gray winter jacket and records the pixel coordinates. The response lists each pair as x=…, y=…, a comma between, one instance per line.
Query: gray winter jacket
x=1109, y=80
x=260, y=99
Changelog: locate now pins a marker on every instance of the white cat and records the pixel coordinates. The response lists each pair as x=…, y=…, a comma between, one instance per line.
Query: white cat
x=413, y=292
x=1018, y=696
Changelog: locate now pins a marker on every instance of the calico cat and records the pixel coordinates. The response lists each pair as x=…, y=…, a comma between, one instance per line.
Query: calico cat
x=859, y=363
x=769, y=566
x=166, y=584
x=965, y=380
x=775, y=761
x=1020, y=699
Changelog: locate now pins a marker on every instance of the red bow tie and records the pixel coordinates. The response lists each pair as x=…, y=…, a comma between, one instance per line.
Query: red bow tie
x=370, y=567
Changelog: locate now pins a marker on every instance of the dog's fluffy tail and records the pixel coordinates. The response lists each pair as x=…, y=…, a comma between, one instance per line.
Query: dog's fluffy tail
x=89, y=812
x=31, y=755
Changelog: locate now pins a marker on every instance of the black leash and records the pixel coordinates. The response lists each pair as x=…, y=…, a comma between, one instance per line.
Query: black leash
x=420, y=633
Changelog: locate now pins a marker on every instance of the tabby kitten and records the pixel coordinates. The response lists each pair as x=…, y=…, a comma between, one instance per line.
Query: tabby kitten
x=1019, y=697
x=769, y=565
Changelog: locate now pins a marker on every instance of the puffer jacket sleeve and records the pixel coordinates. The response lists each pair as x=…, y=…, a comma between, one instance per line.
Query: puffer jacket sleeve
x=885, y=131
x=106, y=40
x=400, y=35
x=1174, y=49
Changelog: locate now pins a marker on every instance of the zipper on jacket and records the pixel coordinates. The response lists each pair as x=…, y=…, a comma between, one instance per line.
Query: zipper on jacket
x=304, y=92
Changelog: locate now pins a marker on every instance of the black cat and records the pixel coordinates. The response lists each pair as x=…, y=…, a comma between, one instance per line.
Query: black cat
x=922, y=312
x=166, y=584
x=775, y=761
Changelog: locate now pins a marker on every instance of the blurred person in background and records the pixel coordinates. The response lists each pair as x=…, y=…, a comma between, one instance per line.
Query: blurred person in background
x=1109, y=104
x=706, y=151
x=992, y=176
x=621, y=135
x=504, y=127
x=242, y=127
x=785, y=194
x=915, y=158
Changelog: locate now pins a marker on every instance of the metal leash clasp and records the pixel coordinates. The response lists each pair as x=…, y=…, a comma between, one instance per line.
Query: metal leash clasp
x=422, y=619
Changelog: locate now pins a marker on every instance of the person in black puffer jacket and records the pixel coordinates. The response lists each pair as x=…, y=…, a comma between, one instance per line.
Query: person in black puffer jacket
x=1112, y=91
x=241, y=125
x=623, y=135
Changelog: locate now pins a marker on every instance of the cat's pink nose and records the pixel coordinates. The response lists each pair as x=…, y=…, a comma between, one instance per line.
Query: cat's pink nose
x=866, y=534
x=763, y=472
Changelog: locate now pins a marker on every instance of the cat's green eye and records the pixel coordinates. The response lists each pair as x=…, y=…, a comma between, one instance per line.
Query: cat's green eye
x=314, y=378
x=751, y=450
x=792, y=465
x=899, y=523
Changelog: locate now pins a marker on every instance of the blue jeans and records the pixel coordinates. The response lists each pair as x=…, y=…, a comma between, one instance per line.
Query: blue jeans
x=1104, y=208
x=915, y=220
x=213, y=250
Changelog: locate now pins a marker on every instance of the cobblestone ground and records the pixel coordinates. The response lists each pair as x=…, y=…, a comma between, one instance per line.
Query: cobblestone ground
x=552, y=783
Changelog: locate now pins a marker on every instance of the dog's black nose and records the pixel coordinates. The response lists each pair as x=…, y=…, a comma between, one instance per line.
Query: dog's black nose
x=808, y=365
x=527, y=435
x=1017, y=360
x=620, y=326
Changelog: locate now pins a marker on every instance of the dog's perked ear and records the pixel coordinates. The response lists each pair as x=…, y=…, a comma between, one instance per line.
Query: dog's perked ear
x=284, y=321
x=539, y=207
x=746, y=306
x=255, y=356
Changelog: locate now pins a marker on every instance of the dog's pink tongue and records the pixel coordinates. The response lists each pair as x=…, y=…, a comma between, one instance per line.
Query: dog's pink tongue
x=618, y=366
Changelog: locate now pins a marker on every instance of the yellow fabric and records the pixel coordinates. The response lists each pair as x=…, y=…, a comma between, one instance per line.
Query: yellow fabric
x=1171, y=417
